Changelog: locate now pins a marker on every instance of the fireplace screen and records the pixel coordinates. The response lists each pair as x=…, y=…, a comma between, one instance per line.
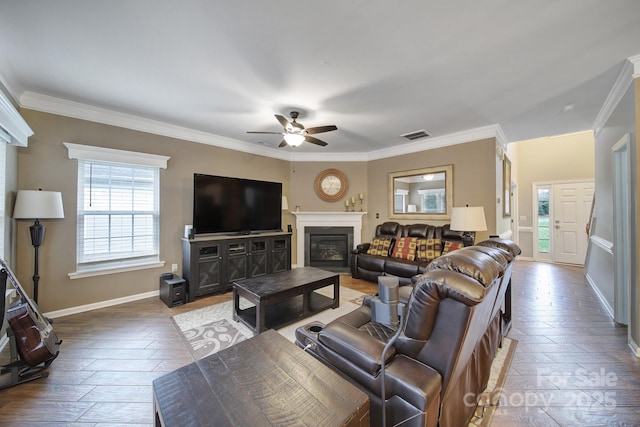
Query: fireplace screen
x=328, y=247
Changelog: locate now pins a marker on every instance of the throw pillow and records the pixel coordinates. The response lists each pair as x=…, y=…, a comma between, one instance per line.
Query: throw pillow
x=380, y=246
x=429, y=249
x=405, y=248
x=451, y=246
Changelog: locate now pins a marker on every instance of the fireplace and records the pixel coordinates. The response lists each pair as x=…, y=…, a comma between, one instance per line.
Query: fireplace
x=328, y=248
x=327, y=223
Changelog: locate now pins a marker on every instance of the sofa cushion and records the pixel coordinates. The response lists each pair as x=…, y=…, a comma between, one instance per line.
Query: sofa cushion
x=451, y=246
x=402, y=268
x=428, y=249
x=380, y=246
x=405, y=248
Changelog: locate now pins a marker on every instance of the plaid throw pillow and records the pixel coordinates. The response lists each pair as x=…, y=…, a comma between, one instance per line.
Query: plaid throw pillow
x=380, y=246
x=428, y=249
x=451, y=246
x=405, y=248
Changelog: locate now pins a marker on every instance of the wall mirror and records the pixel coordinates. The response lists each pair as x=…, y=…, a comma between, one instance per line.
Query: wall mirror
x=421, y=193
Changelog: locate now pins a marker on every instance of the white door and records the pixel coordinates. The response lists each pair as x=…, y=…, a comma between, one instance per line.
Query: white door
x=571, y=207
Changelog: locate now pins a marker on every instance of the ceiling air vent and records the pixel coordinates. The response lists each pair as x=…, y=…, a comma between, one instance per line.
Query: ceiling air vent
x=412, y=136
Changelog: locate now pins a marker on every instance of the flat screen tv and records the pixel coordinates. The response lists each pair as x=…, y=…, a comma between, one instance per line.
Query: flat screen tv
x=225, y=205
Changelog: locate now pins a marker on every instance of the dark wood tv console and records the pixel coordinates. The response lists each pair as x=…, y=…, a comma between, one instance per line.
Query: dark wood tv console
x=210, y=264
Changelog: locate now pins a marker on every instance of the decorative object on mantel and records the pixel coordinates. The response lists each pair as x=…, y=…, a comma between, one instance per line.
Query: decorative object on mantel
x=331, y=185
x=361, y=197
x=467, y=219
x=37, y=205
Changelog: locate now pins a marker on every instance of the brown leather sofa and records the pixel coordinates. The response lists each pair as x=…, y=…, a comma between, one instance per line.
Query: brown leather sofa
x=440, y=363
x=370, y=267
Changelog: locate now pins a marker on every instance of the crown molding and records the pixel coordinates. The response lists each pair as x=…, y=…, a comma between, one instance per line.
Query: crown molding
x=476, y=134
x=77, y=110
x=53, y=105
x=635, y=60
x=630, y=70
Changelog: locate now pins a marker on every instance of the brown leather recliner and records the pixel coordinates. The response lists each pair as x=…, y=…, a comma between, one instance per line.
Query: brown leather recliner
x=370, y=267
x=440, y=363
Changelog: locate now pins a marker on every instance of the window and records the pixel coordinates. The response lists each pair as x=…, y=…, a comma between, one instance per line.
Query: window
x=434, y=200
x=118, y=208
x=118, y=214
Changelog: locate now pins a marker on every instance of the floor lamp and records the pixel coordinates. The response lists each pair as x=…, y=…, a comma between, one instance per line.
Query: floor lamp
x=37, y=205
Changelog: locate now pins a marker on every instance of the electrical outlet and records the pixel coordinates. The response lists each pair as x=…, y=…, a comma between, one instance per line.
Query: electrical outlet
x=174, y=268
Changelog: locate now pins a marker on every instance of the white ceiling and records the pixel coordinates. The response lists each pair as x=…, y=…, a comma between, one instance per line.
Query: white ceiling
x=376, y=69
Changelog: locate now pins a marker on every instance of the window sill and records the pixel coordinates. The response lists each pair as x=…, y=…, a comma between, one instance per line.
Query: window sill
x=102, y=272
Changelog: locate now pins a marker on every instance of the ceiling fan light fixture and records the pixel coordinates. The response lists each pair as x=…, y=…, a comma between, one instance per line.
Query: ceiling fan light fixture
x=294, y=139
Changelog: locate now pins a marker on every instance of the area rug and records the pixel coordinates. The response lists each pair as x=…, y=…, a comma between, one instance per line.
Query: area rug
x=490, y=398
x=210, y=329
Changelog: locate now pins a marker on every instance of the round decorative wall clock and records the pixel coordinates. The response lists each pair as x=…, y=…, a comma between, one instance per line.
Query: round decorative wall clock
x=331, y=185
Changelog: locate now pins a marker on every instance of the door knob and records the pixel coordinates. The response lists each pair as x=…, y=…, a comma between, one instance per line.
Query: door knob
x=557, y=227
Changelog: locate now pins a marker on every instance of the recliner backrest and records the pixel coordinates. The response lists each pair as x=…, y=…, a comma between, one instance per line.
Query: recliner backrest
x=450, y=310
x=390, y=229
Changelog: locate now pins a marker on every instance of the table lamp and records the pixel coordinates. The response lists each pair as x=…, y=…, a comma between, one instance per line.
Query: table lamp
x=467, y=219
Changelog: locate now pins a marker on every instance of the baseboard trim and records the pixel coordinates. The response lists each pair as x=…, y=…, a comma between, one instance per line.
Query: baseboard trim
x=634, y=347
x=101, y=304
x=601, y=297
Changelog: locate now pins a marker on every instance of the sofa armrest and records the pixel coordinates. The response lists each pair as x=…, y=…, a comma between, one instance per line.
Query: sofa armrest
x=362, y=248
x=356, y=346
x=415, y=382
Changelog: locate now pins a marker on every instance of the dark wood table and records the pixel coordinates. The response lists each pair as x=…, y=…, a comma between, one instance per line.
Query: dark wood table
x=263, y=381
x=283, y=298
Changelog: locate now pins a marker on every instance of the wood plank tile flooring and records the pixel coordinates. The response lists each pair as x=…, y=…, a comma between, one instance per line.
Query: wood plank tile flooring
x=572, y=366
x=110, y=357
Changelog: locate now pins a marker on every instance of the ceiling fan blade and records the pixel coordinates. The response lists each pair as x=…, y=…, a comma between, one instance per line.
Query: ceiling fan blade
x=321, y=129
x=270, y=133
x=313, y=140
x=282, y=144
x=283, y=120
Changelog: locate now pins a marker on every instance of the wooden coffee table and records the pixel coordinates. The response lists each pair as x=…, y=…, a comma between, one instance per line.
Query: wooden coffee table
x=285, y=297
x=263, y=381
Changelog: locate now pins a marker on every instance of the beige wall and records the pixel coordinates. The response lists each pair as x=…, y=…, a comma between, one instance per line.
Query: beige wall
x=45, y=164
x=302, y=190
x=549, y=159
x=473, y=181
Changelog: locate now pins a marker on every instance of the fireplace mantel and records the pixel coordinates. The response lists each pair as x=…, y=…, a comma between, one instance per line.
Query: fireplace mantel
x=326, y=219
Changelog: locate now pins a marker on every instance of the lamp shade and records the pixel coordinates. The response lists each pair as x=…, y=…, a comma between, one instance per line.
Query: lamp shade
x=285, y=203
x=38, y=204
x=468, y=219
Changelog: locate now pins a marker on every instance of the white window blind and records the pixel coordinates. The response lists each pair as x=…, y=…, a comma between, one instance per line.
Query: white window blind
x=118, y=215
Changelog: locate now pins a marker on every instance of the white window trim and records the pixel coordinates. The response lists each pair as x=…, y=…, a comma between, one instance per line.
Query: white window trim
x=101, y=154
x=17, y=130
x=89, y=152
x=105, y=271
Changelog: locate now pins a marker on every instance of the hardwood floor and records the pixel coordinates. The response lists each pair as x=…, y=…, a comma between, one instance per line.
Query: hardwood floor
x=572, y=366
x=110, y=357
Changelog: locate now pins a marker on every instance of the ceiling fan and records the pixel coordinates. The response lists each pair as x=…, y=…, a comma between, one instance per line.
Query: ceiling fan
x=295, y=133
